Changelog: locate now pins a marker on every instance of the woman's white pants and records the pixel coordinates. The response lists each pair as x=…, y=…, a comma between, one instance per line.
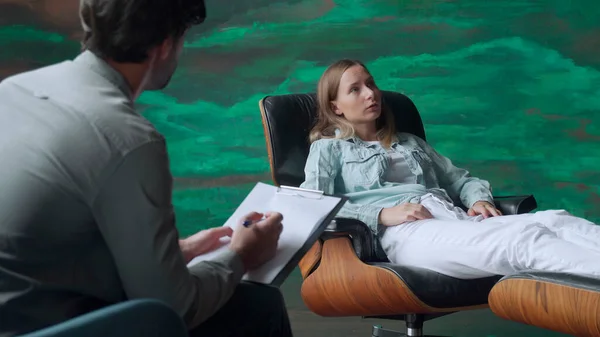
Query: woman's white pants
x=466, y=247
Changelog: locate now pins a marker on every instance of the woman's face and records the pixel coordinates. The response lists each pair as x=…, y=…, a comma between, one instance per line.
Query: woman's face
x=358, y=98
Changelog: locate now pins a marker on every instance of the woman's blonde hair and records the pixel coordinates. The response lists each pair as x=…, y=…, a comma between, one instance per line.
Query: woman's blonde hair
x=328, y=122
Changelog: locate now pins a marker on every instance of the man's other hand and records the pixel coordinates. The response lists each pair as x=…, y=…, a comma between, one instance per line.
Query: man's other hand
x=204, y=242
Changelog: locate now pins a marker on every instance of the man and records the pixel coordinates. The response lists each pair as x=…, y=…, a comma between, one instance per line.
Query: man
x=86, y=218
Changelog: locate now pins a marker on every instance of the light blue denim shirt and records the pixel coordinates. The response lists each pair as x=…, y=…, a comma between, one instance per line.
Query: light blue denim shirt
x=357, y=169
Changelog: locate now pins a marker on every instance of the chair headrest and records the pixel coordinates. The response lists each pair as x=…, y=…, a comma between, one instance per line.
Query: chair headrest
x=287, y=120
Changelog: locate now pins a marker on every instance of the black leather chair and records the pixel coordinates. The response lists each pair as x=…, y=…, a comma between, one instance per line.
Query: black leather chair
x=346, y=273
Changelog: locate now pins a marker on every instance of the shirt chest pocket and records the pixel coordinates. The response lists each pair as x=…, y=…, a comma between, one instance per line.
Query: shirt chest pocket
x=421, y=157
x=425, y=165
x=362, y=168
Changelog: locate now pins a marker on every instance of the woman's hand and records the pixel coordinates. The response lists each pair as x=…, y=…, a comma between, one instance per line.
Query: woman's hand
x=402, y=213
x=484, y=208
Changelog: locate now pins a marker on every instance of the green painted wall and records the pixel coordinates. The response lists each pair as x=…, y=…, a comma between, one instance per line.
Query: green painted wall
x=507, y=89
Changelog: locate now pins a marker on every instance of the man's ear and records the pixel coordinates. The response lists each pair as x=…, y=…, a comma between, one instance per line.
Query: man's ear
x=165, y=48
x=335, y=108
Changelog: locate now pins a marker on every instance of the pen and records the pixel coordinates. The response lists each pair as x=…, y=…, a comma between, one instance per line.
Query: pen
x=248, y=223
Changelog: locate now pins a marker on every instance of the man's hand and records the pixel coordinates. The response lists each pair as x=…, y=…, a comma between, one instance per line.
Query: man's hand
x=402, y=213
x=257, y=243
x=203, y=242
x=484, y=208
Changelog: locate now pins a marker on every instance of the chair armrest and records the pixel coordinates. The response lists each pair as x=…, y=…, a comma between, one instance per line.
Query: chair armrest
x=359, y=233
x=517, y=204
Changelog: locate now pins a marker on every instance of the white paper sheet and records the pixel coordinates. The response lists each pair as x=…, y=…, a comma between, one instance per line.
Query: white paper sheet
x=302, y=213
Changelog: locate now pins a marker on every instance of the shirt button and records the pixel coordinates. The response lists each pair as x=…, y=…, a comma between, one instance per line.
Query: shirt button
x=40, y=95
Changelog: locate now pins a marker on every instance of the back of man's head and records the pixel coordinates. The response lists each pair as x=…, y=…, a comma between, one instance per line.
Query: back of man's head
x=125, y=30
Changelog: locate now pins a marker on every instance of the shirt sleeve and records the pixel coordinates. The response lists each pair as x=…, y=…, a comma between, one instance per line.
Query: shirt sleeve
x=458, y=182
x=321, y=169
x=134, y=213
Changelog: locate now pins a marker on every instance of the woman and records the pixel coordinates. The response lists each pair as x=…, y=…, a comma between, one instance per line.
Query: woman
x=406, y=192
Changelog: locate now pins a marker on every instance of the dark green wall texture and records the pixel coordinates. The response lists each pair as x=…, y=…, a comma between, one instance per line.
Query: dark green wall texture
x=508, y=89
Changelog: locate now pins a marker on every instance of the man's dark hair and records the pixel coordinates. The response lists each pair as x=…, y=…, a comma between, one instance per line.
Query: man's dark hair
x=125, y=30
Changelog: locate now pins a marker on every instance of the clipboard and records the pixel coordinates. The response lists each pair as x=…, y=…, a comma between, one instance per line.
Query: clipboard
x=306, y=215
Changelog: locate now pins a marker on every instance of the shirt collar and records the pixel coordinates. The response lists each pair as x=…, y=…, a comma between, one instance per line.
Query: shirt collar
x=102, y=68
x=356, y=140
